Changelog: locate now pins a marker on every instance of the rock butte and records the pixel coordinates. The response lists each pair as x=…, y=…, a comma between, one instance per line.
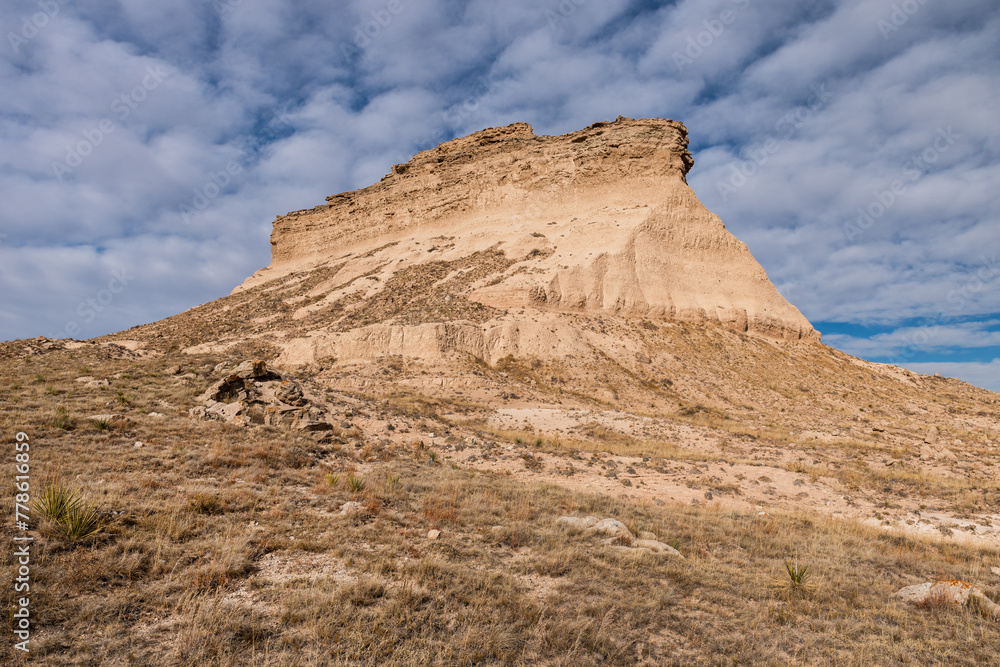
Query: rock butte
x=599, y=221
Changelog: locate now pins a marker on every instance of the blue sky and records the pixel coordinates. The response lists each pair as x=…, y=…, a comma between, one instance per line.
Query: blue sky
x=145, y=148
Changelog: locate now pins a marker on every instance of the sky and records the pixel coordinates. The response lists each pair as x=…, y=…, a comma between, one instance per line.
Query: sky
x=146, y=148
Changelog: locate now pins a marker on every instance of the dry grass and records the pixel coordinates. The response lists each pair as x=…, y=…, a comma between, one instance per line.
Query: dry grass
x=225, y=546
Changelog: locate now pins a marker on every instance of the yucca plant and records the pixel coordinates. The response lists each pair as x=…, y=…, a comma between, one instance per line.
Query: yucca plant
x=355, y=483
x=392, y=479
x=80, y=522
x=101, y=423
x=332, y=479
x=798, y=577
x=54, y=502
x=68, y=515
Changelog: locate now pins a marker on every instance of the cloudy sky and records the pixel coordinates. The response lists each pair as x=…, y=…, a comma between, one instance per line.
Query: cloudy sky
x=145, y=148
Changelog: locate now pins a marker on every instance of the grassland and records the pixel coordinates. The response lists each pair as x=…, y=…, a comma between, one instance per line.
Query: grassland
x=222, y=545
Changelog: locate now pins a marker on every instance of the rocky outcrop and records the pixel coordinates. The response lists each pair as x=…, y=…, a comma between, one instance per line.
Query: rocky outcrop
x=618, y=535
x=254, y=394
x=599, y=221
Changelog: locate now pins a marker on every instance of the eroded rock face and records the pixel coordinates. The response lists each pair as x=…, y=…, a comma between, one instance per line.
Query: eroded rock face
x=597, y=221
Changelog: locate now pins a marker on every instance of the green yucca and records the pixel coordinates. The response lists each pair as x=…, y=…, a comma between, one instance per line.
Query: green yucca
x=355, y=483
x=70, y=516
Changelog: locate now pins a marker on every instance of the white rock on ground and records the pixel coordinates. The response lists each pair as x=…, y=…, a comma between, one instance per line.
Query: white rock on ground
x=352, y=507
x=957, y=592
x=612, y=528
x=578, y=522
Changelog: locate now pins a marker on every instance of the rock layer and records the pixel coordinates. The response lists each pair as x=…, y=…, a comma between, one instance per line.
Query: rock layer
x=598, y=221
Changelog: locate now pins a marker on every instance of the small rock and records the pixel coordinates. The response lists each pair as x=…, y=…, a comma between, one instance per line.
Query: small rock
x=646, y=535
x=995, y=570
x=433, y=534
x=139, y=444
x=290, y=392
x=98, y=383
x=156, y=414
x=351, y=507
x=708, y=495
x=172, y=370
x=85, y=378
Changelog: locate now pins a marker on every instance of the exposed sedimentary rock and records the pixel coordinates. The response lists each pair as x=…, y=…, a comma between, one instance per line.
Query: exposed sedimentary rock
x=598, y=221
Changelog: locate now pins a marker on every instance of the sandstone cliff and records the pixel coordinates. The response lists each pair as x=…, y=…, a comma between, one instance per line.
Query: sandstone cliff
x=598, y=221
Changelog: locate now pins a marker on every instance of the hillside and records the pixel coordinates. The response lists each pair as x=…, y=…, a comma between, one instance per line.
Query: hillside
x=383, y=448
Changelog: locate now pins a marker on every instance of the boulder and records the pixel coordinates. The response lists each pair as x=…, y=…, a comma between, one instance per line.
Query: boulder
x=612, y=528
x=653, y=546
x=581, y=523
x=252, y=369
